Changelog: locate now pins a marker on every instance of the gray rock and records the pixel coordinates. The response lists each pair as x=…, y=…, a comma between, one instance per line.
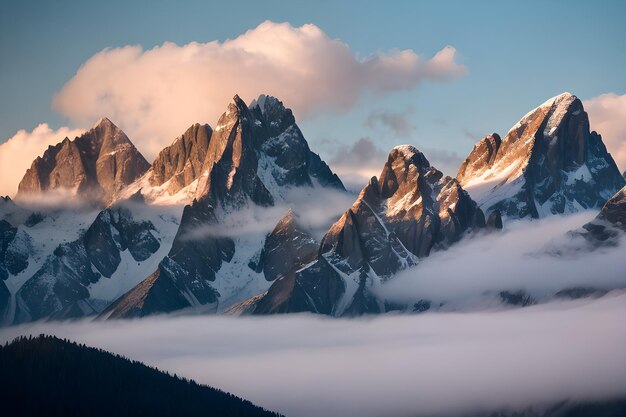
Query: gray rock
x=183, y=279
x=548, y=163
x=609, y=224
x=95, y=165
x=289, y=247
x=254, y=154
x=495, y=220
x=517, y=298
x=65, y=275
x=396, y=220
x=181, y=162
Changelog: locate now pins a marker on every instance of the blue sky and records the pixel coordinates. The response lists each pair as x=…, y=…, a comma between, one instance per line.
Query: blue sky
x=517, y=54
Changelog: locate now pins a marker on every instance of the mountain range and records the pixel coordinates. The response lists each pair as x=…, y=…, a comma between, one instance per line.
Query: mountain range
x=219, y=221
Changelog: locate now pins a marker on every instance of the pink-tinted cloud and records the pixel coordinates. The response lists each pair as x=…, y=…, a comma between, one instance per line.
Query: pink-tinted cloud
x=18, y=153
x=607, y=116
x=155, y=94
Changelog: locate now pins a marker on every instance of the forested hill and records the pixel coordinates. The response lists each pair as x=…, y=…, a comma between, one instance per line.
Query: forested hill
x=48, y=376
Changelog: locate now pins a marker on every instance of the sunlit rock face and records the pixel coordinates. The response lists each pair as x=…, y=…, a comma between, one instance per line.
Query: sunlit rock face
x=255, y=155
x=548, y=163
x=410, y=210
x=95, y=165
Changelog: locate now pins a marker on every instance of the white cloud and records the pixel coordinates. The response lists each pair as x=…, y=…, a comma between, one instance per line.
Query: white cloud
x=607, y=116
x=434, y=364
x=317, y=209
x=398, y=122
x=538, y=257
x=18, y=153
x=357, y=163
x=155, y=94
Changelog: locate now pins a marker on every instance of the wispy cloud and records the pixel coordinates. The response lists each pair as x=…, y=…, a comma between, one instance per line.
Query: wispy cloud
x=318, y=208
x=521, y=257
x=155, y=94
x=398, y=122
x=358, y=162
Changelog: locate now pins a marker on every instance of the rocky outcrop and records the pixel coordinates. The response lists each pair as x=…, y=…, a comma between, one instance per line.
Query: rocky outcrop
x=229, y=174
x=410, y=210
x=15, y=248
x=289, y=246
x=481, y=159
x=95, y=165
x=614, y=211
x=548, y=163
x=183, y=279
x=7, y=234
x=610, y=224
x=174, y=173
x=66, y=275
x=255, y=156
x=181, y=162
x=494, y=221
x=287, y=249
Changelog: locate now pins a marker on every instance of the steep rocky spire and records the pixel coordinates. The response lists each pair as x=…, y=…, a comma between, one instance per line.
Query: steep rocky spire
x=548, y=163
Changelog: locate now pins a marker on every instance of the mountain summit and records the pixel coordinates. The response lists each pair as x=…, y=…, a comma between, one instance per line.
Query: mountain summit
x=399, y=217
x=255, y=157
x=95, y=165
x=548, y=163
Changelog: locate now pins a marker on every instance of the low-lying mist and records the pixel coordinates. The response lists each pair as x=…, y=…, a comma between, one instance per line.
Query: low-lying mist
x=393, y=365
x=538, y=257
x=316, y=209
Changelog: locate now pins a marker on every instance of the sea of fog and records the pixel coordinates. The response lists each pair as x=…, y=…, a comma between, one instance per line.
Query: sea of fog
x=469, y=357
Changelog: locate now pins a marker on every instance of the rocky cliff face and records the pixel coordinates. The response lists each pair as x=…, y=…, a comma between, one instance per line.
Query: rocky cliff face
x=65, y=278
x=610, y=224
x=410, y=210
x=255, y=156
x=548, y=163
x=229, y=175
x=96, y=165
x=173, y=176
x=614, y=211
x=287, y=249
x=255, y=153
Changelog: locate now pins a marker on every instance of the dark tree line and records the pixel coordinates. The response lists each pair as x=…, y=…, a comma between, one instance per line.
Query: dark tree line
x=48, y=376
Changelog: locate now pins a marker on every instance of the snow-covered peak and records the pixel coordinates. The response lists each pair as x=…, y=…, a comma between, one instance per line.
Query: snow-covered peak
x=267, y=104
x=409, y=155
x=548, y=163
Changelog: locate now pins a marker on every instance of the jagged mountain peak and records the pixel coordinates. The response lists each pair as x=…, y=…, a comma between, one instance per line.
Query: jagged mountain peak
x=255, y=158
x=254, y=153
x=104, y=122
x=548, y=163
x=400, y=172
x=395, y=220
x=229, y=173
x=173, y=176
x=96, y=164
x=236, y=106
